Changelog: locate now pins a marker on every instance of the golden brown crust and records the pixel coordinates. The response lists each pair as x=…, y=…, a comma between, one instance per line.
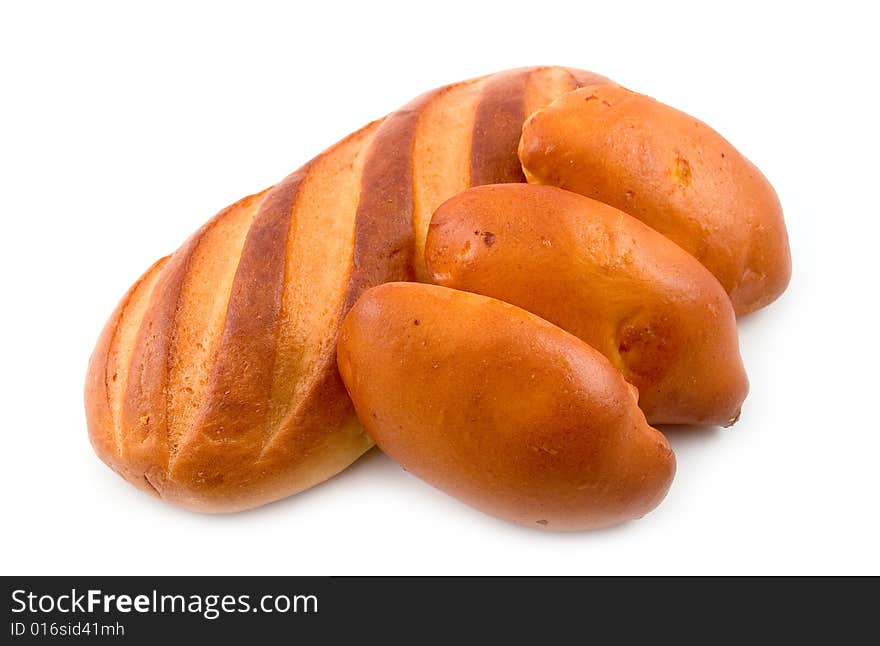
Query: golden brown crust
x=148, y=441
x=383, y=248
x=626, y=290
x=506, y=99
x=500, y=408
x=237, y=399
x=106, y=375
x=672, y=172
x=227, y=457
x=442, y=155
x=227, y=394
x=498, y=127
x=545, y=84
x=466, y=132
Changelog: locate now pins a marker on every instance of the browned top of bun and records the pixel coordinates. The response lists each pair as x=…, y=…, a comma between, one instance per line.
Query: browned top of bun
x=500, y=408
x=625, y=289
x=674, y=173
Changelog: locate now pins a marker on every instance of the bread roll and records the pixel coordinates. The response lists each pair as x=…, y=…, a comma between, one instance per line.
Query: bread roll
x=650, y=307
x=500, y=408
x=214, y=383
x=675, y=174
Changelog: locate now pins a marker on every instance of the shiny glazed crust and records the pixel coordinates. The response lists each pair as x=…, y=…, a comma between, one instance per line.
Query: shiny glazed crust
x=675, y=174
x=650, y=307
x=500, y=408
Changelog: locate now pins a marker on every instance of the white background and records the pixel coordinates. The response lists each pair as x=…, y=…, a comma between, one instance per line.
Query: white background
x=124, y=128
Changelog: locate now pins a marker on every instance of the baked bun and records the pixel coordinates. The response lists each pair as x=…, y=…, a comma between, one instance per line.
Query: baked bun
x=672, y=172
x=650, y=307
x=500, y=408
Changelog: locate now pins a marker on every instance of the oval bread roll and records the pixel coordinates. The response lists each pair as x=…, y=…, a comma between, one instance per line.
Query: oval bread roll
x=626, y=290
x=214, y=383
x=500, y=408
x=672, y=172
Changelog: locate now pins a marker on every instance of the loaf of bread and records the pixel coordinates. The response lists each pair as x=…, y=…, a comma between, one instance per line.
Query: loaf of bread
x=500, y=408
x=214, y=383
x=672, y=172
x=650, y=307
